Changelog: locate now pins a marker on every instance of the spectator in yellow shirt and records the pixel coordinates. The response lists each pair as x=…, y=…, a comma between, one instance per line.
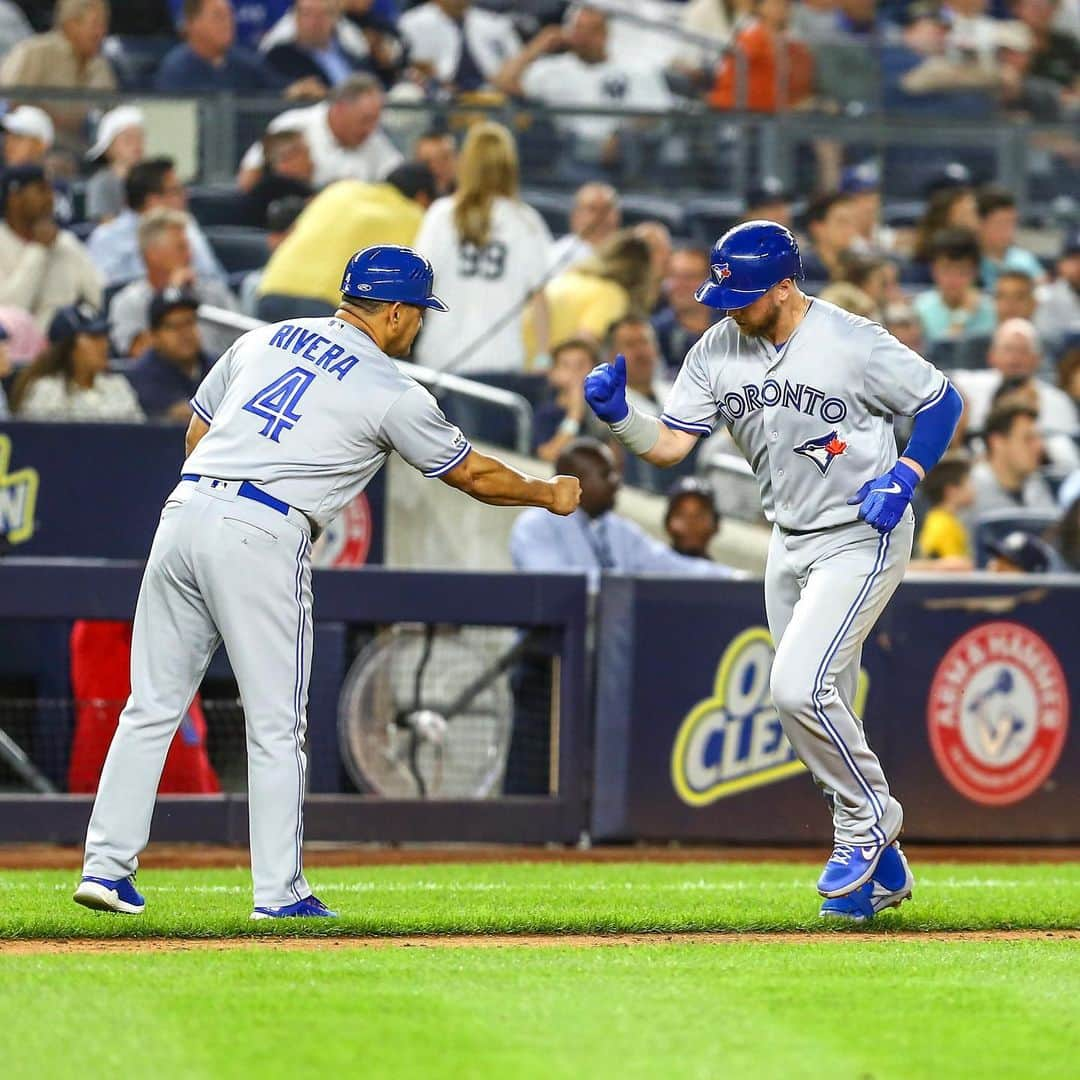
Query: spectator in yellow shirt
x=303, y=276
x=585, y=300
x=949, y=490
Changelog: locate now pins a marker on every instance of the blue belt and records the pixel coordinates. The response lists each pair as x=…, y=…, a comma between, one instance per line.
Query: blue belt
x=248, y=490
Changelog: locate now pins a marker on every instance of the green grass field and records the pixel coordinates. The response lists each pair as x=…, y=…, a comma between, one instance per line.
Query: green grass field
x=897, y=1005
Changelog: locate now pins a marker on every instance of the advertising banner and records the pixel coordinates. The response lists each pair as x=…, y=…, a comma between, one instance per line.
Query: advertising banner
x=969, y=692
x=96, y=490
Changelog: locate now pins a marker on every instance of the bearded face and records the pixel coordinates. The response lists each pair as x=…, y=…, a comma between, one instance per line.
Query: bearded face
x=759, y=319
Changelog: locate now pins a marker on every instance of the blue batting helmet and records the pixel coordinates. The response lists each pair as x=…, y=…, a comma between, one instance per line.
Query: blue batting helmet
x=391, y=273
x=746, y=262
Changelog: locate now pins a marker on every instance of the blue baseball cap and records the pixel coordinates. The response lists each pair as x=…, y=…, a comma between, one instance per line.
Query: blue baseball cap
x=393, y=274
x=746, y=262
x=1031, y=554
x=858, y=179
x=81, y=318
x=17, y=177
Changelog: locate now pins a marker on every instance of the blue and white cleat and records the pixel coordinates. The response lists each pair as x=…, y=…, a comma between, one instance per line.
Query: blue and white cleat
x=848, y=867
x=890, y=886
x=101, y=894
x=311, y=907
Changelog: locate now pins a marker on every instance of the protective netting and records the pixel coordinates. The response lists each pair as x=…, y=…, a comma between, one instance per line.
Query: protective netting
x=424, y=711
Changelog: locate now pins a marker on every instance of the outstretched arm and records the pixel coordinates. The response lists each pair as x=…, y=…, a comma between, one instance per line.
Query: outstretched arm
x=652, y=441
x=491, y=481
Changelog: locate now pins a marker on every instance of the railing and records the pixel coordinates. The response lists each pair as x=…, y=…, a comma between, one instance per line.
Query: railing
x=689, y=147
x=222, y=322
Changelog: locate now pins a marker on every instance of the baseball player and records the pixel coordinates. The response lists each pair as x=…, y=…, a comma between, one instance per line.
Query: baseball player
x=291, y=422
x=808, y=393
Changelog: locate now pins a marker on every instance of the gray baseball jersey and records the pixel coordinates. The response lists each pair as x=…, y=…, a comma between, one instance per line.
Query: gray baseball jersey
x=309, y=411
x=301, y=413
x=813, y=417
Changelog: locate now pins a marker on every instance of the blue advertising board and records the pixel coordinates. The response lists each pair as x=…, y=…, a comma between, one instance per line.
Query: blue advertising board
x=96, y=490
x=969, y=691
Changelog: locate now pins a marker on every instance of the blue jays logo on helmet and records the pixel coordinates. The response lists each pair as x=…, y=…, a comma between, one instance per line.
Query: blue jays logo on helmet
x=392, y=273
x=746, y=262
x=822, y=450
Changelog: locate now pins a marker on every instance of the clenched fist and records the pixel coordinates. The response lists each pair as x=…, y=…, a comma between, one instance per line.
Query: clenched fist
x=566, y=495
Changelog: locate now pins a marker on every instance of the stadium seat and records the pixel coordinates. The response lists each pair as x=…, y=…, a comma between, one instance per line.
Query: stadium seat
x=914, y=273
x=110, y=291
x=553, y=206
x=709, y=216
x=277, y=307
x=217, y=205
x=239, y=248
x=899, y=213
x=968, y=354
x=82, y=229
x=532, y=387
x=1056, y=475
x=909, y=170
x=136, y=59
x=485, y=422
x=540, y=148
x=637, y=208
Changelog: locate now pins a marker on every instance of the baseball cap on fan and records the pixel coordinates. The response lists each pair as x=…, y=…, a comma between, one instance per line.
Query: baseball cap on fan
x=81, y=318
x=769, y=192
x=861, y=178
x=18, y=177
x=167, y=301
x=1029, y=554
x=112, y=123
x=31, y=122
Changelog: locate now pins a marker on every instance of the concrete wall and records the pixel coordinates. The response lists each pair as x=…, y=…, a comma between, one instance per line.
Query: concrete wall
x=431, y=525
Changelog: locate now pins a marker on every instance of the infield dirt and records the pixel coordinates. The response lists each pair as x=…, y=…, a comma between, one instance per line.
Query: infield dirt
x=207, y=856
x=508, y=941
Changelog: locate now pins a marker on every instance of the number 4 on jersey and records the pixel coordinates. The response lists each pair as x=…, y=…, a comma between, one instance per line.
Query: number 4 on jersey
x=277, y=403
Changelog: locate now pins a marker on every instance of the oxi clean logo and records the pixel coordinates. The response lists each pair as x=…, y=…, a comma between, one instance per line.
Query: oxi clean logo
x=18, y=498
x=732, y=741
x=998, y=713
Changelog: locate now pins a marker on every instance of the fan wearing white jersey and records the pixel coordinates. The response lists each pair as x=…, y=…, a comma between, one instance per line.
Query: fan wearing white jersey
x=808, y=393
x=491, y=252
x=289, y=425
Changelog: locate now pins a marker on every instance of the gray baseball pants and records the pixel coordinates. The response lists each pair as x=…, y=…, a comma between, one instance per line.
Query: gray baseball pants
x=221, y=568
x=824, y=591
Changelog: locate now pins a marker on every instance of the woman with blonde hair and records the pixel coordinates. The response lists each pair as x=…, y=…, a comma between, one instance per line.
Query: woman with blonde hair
x=617, y=281
x=490, y=252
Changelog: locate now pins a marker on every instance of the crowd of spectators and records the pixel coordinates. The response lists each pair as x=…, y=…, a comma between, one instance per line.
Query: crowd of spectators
x=103, y=264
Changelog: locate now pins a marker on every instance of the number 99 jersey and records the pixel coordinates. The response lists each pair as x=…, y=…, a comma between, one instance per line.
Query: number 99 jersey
x=481, y=285
x=309, y=410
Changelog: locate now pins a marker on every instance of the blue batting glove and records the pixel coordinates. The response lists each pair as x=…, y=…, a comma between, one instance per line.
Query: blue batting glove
x=605, y=390
x=883, y=500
